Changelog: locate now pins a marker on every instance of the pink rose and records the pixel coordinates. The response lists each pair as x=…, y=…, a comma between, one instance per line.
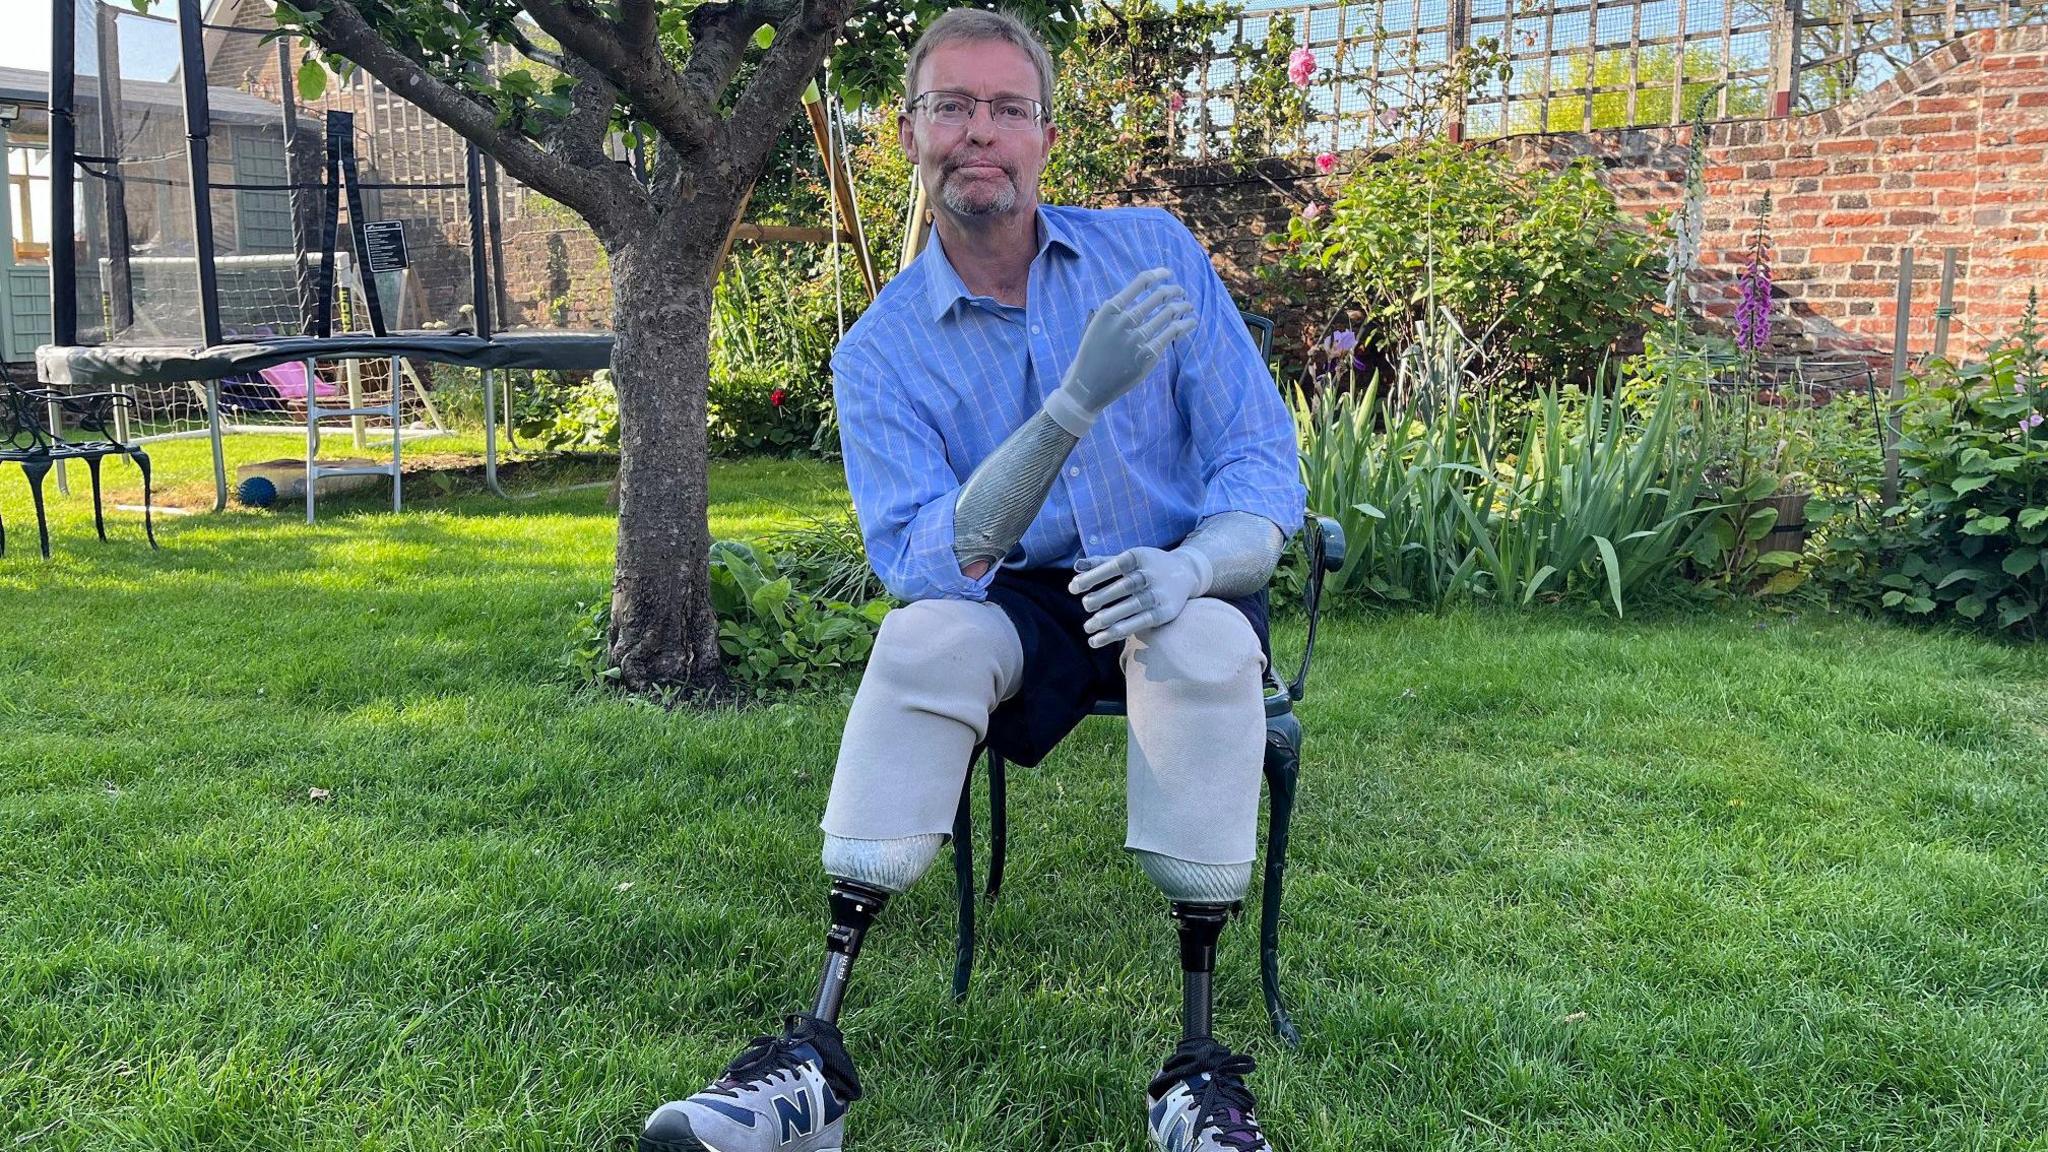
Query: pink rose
x=1176, y=101
x=1313, y=211
x=1301, y=67
x=1326, y=161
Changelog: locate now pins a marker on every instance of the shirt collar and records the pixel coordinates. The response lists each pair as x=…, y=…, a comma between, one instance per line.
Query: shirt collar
x=943, y=286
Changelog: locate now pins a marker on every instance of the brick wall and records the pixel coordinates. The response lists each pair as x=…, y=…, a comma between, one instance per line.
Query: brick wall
x=556, y=275
x=1947, y=154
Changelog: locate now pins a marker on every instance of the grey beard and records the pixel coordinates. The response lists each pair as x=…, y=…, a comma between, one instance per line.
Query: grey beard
x=958, y=202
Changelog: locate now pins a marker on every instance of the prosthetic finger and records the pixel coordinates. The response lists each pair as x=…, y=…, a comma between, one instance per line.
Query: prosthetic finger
x=1101, y=571
x=1130, y=585
x=1155, y=301
x=1137, y=287
x=1127, y=628
x=1179, y=312
x=1170, y=335
x=1119, y=611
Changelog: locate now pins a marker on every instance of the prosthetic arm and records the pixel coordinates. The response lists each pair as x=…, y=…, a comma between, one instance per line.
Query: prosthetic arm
x=1228, y=554
x=1123, y=341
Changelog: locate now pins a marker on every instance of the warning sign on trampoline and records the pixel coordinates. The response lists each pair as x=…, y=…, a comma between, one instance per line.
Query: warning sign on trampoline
x=384, y=241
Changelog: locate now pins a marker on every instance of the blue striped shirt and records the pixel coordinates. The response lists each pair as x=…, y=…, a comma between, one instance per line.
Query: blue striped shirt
x=930, y=380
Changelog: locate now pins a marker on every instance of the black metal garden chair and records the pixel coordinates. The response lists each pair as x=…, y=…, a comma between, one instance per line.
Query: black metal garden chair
x=1324, y=545
x=28, y=439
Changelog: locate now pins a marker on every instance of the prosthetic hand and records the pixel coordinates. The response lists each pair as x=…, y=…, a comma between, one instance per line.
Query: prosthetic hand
x=1229, y=554
x=1123, y=341
x=1121, y=344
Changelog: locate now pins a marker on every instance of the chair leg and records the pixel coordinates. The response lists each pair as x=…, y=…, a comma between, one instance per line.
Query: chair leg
x=3, y=536
x=963, y=881
x=99, y=519
x=37, y=469
x=1283, y=774
x=998, y=822
x=148, y=521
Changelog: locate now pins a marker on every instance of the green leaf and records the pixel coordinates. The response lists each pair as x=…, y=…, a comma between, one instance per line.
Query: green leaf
x=1758, y=524
x=1613, y=566
x=1782, y=582
x=2033, y=517
x=1969, y=483
x=1971, y=607
x=312, y=79
x=1961, y=574
x=2019, y=560
x=1987, y=526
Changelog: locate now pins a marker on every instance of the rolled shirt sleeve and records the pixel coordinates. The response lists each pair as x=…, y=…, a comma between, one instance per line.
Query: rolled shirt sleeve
x=903, y=485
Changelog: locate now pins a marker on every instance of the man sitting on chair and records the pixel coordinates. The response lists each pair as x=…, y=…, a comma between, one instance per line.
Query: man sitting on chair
x=1068, y=458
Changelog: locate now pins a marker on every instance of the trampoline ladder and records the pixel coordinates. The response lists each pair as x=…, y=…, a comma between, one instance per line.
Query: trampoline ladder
x=315, y=413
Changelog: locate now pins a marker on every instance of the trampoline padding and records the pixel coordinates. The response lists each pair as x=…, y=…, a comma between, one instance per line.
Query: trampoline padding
x=108, y=364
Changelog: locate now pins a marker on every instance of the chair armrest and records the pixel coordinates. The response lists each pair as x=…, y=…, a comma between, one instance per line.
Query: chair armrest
x=92, y=412
x=1323, y=538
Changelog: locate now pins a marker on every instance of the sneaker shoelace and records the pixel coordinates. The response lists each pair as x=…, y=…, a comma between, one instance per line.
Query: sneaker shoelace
x=766, y=1059
x=1225, y=1104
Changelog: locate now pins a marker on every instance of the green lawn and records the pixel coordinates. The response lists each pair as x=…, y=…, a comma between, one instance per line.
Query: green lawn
x=1559, y=882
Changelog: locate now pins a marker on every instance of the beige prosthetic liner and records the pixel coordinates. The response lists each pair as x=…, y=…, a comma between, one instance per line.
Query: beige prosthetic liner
x=940, y=667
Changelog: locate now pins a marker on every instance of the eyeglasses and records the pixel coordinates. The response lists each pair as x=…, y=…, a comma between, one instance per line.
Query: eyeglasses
x=1017, y=113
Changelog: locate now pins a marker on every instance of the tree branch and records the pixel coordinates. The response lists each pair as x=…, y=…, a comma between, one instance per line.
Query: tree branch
x=579, y=136
x=634, y=66
x=609, y=200
x=801, y=43
x=718, y=40
x=535, y=52
x=636, y=20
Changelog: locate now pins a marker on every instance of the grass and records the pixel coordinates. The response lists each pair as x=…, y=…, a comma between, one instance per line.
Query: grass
x=1559, y=882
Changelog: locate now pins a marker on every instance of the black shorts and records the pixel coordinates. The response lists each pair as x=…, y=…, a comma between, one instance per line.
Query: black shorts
x=1063, y=677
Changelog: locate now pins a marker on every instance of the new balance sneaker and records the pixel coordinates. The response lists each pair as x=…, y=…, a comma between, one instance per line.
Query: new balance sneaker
x=1199, y=1103
x=785, y=1093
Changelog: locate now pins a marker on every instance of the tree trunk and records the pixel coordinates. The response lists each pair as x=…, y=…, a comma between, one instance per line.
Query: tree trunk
x=664, y=636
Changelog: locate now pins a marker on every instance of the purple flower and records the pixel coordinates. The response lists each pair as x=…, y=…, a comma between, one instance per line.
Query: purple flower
x=2031, y=422
x=1753, y=309
x=1341, y=341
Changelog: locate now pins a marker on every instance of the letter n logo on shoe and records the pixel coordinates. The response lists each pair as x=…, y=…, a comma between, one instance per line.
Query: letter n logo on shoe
x=798, y=1115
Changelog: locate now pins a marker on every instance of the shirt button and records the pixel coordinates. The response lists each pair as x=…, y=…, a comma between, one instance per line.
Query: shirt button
x=1034, y=329
x=1073, y=471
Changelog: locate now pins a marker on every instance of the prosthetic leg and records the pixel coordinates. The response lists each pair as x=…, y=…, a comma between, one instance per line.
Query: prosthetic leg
x=1200, y=927
x=1199, y=1101
x=854, y=908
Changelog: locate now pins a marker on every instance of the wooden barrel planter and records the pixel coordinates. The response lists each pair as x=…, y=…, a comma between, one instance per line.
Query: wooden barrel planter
x=1789, y=533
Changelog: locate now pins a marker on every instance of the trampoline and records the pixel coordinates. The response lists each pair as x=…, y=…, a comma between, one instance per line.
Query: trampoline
x=241, y=259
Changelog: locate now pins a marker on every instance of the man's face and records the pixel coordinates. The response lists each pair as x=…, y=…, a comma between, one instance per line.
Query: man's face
x=976, y=169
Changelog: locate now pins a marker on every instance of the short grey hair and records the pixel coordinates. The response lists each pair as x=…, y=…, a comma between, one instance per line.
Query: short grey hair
x=969, y=25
